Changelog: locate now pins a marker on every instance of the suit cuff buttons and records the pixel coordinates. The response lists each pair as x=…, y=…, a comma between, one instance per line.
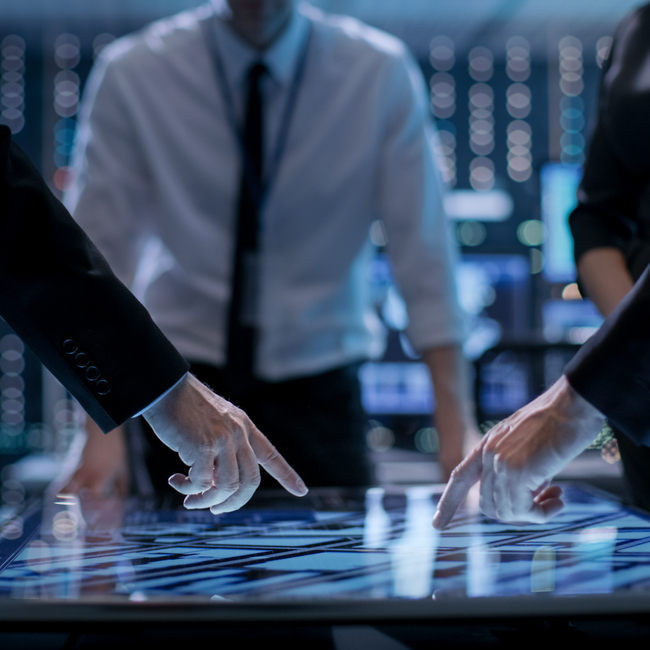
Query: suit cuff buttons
x=81, y=361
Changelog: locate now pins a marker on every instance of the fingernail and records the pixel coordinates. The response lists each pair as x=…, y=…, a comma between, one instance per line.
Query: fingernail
x=436, y=519
x=302, y=487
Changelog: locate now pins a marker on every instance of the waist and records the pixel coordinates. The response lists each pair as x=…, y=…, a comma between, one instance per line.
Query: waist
x=219, y=374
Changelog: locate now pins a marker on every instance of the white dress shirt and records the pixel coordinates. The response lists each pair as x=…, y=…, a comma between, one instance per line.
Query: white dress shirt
x=157, y=160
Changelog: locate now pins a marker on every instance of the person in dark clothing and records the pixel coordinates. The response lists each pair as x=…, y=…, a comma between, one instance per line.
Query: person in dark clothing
x=610, y=375
x=611, y=224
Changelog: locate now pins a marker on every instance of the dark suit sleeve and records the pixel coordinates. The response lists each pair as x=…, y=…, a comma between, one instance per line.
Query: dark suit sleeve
x=59, y=295
x=615, y=180
x=612, y=369
x=605, y=216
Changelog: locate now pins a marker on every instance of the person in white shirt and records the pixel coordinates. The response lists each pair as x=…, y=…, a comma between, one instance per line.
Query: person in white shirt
x=348, y=140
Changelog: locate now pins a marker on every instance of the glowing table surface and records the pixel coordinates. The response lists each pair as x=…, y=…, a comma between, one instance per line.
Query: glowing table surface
x=341, y=554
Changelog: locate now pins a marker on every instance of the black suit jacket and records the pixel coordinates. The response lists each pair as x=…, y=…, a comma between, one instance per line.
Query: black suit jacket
x=59, y=295
x=612, y=369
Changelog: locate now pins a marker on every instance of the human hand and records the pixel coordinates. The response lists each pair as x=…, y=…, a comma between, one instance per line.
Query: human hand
x=220, y=444
x=449, y=459
x=103, y=467
x=518, y=457
x=452, y=453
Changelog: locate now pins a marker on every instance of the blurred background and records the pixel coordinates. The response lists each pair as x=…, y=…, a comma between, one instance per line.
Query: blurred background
x=513, y=88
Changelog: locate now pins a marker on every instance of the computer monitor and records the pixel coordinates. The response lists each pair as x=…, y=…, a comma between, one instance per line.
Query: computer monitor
x=559, y=186
x=493, y=291
x=570, y=320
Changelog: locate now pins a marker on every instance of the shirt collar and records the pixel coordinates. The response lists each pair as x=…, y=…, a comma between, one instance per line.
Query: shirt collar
x=280, y=59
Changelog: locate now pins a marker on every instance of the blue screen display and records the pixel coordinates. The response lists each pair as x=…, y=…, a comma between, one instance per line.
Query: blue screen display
x=559, y=185
x=493, y=292
x=378, y=546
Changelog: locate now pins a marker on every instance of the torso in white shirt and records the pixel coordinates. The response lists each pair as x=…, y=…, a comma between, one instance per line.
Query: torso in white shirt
x=157, y=157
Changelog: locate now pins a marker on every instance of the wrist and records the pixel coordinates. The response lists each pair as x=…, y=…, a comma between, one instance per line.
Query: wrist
x=569, y=405
x=165, y=402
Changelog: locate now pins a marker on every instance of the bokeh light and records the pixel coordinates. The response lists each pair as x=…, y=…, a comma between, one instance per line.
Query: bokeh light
x=12, y=83
x=470, y=233
x=531, y=232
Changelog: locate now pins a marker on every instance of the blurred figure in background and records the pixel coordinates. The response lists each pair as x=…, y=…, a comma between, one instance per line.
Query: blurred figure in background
x=242, y=151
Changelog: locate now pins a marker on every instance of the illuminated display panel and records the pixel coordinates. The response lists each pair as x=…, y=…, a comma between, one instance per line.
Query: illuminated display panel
x=493, y=291
x=378, y=547
x=559, y=184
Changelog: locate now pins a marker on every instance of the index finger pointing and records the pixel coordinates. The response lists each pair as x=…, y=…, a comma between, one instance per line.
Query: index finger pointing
x=462, y=478
x=273, y=462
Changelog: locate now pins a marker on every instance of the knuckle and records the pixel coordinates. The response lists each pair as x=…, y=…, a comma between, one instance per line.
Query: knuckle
x=207, y=449
x=503, y=463
x=456, y=474
x=231, y=487
x=192, y=455
x=491, y=445
x=270, y=455
x=202, y=483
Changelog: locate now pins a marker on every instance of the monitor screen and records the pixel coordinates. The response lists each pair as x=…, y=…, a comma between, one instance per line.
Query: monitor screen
x=570, y=320
x=374, y=545
x=510, y=376
x=559, y=185
x=493, y=291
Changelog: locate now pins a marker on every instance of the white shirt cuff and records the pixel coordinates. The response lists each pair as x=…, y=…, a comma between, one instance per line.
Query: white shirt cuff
x=169, y=390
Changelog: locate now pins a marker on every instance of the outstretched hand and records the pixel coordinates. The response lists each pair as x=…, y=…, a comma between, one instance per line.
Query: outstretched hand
x=517, y=459
x=221, y=446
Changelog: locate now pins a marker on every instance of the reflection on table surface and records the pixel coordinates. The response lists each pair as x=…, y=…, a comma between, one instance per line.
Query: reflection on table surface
x=372, y=544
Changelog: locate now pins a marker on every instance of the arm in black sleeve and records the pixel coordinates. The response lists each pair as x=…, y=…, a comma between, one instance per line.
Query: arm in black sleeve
x=612, y=369
x=607, y=198
x=59, y=295
x=617, y=172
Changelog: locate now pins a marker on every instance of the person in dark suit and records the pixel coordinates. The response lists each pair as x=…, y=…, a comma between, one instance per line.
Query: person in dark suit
x=611, y=223
x=516, y=460
x=59, y=295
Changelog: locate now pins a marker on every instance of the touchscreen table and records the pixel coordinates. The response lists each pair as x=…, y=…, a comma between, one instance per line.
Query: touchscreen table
x=372, y=545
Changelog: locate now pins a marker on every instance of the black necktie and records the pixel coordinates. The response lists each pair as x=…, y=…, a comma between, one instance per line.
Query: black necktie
x=241, y=327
